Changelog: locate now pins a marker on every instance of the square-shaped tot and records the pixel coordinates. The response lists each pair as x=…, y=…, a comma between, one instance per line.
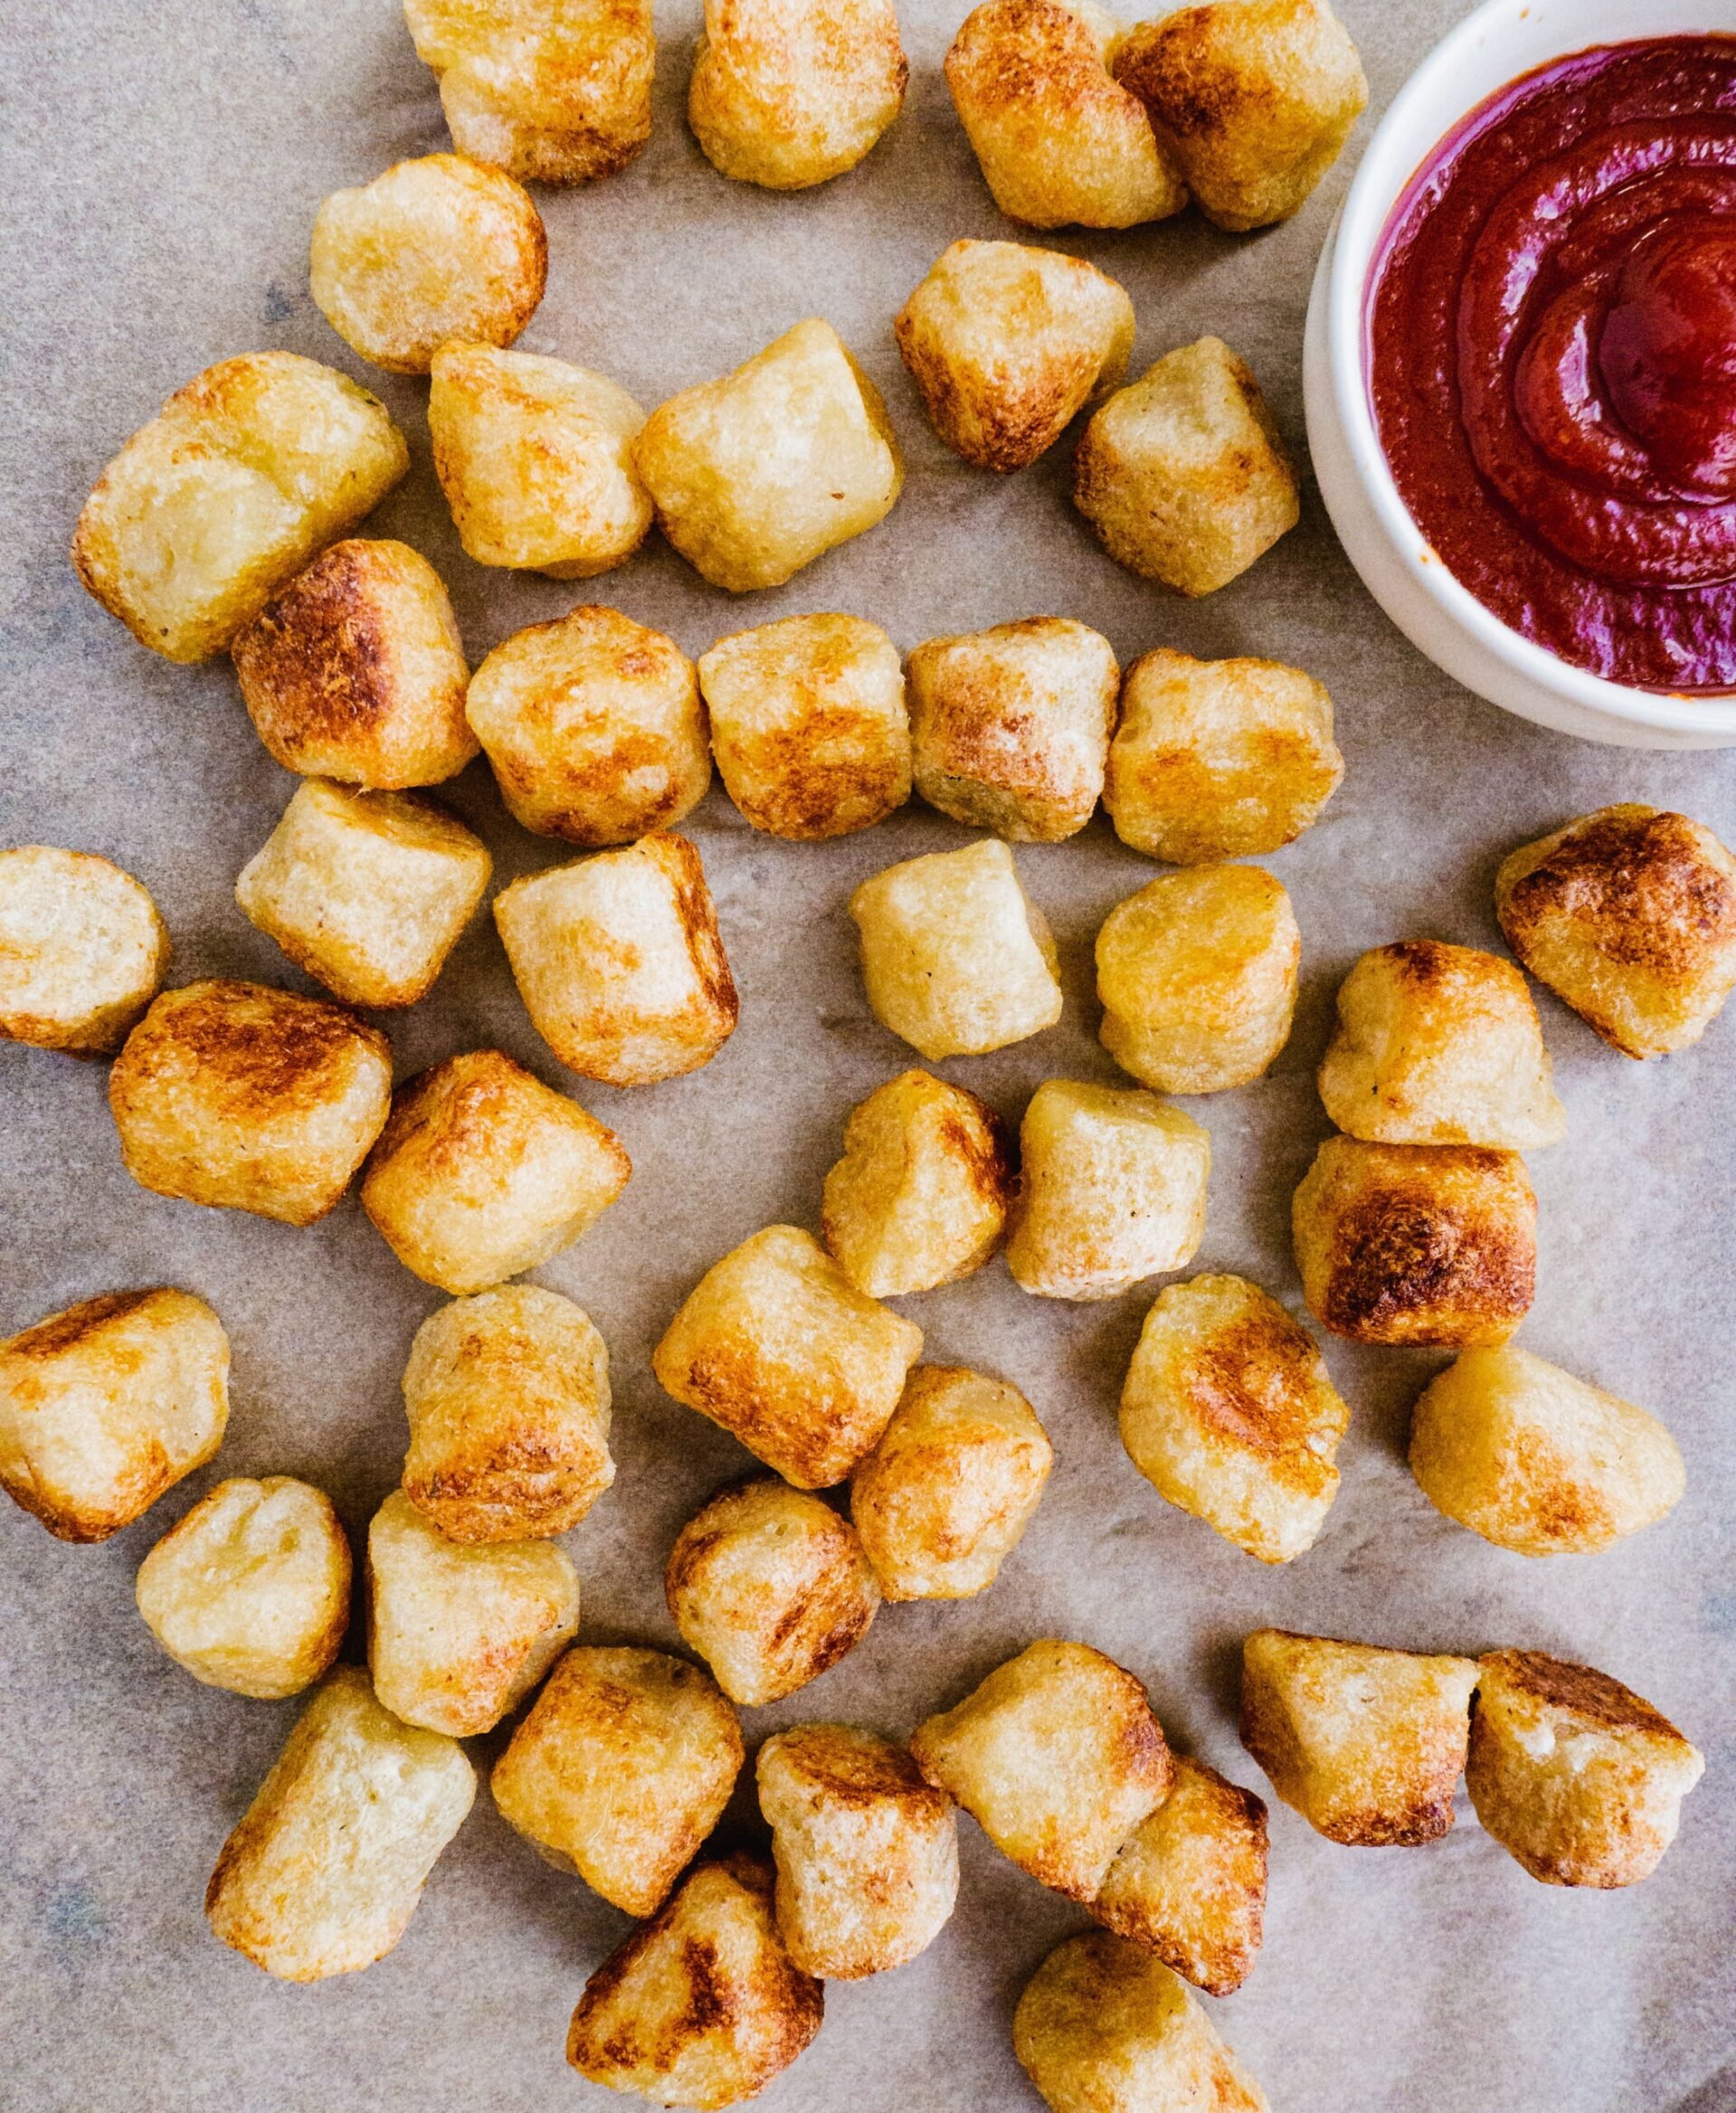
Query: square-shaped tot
x=755, y=476
x=1057, y=1757
x=82, y=951
x=1010, y=728
x=105, y=1406
x=619, y=961
x=1182, y=475
x=808, y=724
x=227, y=493
x=249, y=1098
x=775, y=1345
x=483, y=1172
x=620, y=1768
x=1111, y=1190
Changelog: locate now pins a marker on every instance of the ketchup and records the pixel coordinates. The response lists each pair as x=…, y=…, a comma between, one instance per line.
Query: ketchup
x=1551, y=359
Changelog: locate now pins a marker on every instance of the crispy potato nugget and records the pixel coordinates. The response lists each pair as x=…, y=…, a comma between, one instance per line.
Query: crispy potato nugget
x=787, y=93
x=593, y=727
x=105, y=1406
x=1010, y=728
x=483, y=1172
x=1229, y=1413
x=1367, y=1744
x=755, y=476
x=251, y=1590
x=227, y=493
x=249, y=1098
x=867, y=1854
x=368, y=892
x=808, y=724
x=323, y=1871
x=1197, y=975
x=1007, y=344
x=356, y=671
x=1111, y=1190
x=620, y=1768
x=1189, y=1884
x=1218, y=758
x=770, y=1586
x=1417, y=1243
x=619, y=961
x=944, y=1497
x=1104, y=2027
x=82, y=951
x=457, y=1635
x=1057, y=1757
x=956, y=959
x=1058, y=141
x=702, y=2006
x=508, y=1401
x=775, y=1345
x=1535, y=1460
x=1629, y=916
x=1252, y=101
x=1182, y=475
x=1574, y=1776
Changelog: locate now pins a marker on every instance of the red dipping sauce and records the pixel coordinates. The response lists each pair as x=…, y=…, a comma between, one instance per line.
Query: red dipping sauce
x=1551, y=359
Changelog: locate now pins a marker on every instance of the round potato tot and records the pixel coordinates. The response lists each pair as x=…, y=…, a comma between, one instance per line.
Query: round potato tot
x=82, y=951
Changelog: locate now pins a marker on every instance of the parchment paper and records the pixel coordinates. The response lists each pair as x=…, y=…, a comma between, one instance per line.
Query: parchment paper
x=164, y=166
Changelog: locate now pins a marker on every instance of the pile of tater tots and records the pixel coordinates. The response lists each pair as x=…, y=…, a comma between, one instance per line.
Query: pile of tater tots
x=228, y=524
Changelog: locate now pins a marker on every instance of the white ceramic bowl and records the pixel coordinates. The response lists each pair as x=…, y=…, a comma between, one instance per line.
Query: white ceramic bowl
x=1501, y=40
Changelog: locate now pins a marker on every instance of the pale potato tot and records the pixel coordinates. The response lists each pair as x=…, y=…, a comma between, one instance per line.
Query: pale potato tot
x=508, y=1401
x=1229, y=1413
x=944, y=1497
x=619, y=1770
x=777, y=1346
x=787, y=93
x=458, y=1635
x=1253, y=99
x=867, y=1852
x=82, y=951
x=249, y=1098
x=1431, y=1244
x=227, y=493
x=770, y=1586
x=1629, y=916
x=251, y=1590
x=1367, y=1744
x=1197, y=975
x=593, y=728
x=1059, y=143
x=1218, y=758
x=1538, y=1461
x=368, y=892
x=619, y=961
x=1182, y=475
x=1010, y=728
x=920, y=1195
x=536, y=458
x=702, y=2006
x=556, y=91
x=956, y=959
x=483, y=1172
x=808, y=725
x=1007, y=344
x=105, y=1406
x=1113, y=1190
x=756, y=475
x=1439, y=1045
x=356, y=671
x=323, y=1872
x=1057, y=1757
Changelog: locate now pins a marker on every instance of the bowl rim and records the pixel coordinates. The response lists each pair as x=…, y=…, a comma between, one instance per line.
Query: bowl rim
x=1389, y=162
